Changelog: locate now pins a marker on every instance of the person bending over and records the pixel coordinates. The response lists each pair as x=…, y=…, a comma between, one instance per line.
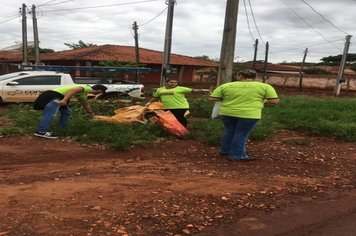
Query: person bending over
x=52, y=101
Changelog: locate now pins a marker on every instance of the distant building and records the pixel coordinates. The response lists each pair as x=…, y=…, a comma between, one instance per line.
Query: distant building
x=186, y=66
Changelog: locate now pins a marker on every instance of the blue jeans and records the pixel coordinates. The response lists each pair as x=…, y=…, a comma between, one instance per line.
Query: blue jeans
x=235, y=136
x=49, y=112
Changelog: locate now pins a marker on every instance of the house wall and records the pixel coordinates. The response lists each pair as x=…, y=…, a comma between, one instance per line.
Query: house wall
x=153, y=78
x=326, y=82
x=149, y=78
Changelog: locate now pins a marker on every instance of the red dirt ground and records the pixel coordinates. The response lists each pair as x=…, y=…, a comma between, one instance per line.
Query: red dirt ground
x=300, y=185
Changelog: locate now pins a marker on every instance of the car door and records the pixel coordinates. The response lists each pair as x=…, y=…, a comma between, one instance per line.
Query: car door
x=27, y=89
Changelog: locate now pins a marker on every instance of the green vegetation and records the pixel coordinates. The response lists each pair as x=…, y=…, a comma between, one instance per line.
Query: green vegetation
x=79, y=45
x=316, y=71
x=335, y=60
x=330, y=117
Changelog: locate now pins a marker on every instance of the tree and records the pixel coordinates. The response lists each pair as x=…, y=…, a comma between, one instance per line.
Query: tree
x=80, y=44
x=334, y=60
x=31, y=51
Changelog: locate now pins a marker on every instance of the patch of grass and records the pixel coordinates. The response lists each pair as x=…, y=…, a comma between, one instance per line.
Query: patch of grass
x=11, y=131
x=207, y=131
x=200, y=107
x=334, y=117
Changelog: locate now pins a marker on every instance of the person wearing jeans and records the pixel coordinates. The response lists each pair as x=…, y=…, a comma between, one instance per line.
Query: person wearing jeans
x=235, y=136
x=241, y=108
x=55, y=100
x=50, y=111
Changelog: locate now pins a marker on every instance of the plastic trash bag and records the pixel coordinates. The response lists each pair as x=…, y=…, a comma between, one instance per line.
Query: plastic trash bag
x=169, y=122
x=216, y=110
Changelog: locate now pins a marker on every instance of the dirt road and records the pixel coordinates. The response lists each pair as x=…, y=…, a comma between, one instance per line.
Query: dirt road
x=300, y=185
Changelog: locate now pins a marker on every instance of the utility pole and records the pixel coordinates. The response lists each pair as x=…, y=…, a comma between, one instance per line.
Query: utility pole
x=35, y=35
x=137, y=53
x=340, y=75
x=301, y=70
x=24, y=35
x=255, y=55
x=167, y=42
x=228, y=42
x=265, y=65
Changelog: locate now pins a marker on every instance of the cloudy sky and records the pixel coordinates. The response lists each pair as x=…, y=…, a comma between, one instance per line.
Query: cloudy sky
x=289, y=26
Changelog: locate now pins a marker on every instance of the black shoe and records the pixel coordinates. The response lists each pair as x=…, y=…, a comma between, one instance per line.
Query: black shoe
x=46, y=135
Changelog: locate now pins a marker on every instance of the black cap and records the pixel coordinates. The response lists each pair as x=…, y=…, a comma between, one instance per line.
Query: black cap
x=99, y=87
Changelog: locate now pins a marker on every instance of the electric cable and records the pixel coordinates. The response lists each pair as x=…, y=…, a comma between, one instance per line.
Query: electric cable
x=154, y=17
x=309, y=25
x=254, y=20
x=248, y=22
x=14, y=17
x=46, y=3
x=310, y=46
x=324, y=17
x=52, y=4
x=100, y=6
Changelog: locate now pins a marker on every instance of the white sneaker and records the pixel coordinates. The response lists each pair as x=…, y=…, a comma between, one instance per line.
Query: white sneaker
x=49, y=135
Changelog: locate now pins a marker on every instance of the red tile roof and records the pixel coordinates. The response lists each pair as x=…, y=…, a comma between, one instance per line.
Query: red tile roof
x=10, y=55
x=123, y=54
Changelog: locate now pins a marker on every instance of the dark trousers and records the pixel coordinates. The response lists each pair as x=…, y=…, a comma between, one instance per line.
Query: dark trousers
x=179, y=114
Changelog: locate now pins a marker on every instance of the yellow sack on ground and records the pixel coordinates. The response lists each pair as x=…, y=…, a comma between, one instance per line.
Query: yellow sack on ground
x=134, y=113
x=126, y=114
x=154, y=106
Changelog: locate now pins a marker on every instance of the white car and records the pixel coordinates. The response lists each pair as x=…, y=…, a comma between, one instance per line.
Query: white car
x=25, y=86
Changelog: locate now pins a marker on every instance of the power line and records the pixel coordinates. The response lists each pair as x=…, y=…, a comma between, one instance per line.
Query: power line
x=57, y=3
x=154, y=17
x=310, y=46
x=248, y=22
x=14, y=17
x=253, y=17
x=47, y=3
x=324, y=18
x=310, y=26
x=100, y=6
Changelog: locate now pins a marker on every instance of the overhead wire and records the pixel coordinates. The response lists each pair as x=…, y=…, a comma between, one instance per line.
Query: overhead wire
x=248, y=22
x=154, y=17
x=46, y=3
x=254, y=20
x=122, y=26
x=9, y=19
x=324, y=17
x=309, y=25
x=99, y=6
x=52, y=4
x=310, y=46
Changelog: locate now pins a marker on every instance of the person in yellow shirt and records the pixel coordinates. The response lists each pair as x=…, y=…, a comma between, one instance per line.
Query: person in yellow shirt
x=242, y=102
x=52, y=101
x=173, y=98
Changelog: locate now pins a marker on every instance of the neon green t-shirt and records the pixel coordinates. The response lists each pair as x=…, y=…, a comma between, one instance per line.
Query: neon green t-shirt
x=81, y=96
x=173, y=98
x=244, y=99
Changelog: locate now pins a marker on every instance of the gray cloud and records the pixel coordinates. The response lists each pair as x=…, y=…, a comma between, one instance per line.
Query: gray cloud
x=197, y=26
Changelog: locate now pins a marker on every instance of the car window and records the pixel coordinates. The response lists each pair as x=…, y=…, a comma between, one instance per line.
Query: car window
x=40, y=80
x=9, y=76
